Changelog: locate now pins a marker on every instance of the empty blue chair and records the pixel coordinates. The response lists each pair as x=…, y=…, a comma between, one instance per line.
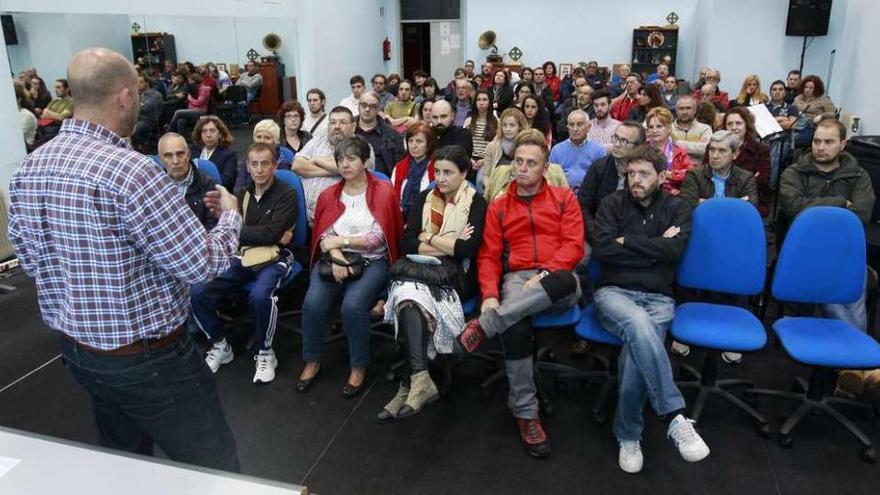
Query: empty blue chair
x=822, y=261
x=157, y=161
x=380, y=175
x=208, y=167
x=286, y=155
x=727, y=253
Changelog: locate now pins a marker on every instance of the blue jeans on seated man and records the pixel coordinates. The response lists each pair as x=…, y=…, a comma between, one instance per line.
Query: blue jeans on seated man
x=358, y=297
x=511, y=320
x=262, y=302
x=854, y=314
x=166, y=396
x=640, y=320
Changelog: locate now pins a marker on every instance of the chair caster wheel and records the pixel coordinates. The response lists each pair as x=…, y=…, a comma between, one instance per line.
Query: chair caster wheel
x=785, y=441
x=869, y=455
x=763, y=430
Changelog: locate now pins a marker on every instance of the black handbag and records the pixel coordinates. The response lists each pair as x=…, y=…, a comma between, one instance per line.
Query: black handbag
x=353, y=261
x=447, y=275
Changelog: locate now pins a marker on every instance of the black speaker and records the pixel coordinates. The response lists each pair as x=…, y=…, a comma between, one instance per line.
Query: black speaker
x=808, y=17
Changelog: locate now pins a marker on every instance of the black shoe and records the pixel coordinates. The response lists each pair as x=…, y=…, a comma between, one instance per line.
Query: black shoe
x=350, y=391
x=303, y=386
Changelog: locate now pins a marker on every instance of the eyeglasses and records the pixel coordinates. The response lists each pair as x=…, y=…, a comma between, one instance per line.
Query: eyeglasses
x=369, y=106
x=620, y=141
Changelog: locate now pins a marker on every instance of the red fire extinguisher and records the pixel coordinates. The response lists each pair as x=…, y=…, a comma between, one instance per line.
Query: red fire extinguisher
x=386, y=49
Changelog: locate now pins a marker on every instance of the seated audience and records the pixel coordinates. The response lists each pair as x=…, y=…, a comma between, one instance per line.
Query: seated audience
x=175, y=96
x=425, y=110
x=641, y=235
x=792, y=85
x=251, y=79
x=552, y=80
x=659, y=127
x=449, y=92
x=195, y=107
x=669, y=92
x=315, y=163
x=60, y=108
x=482, y=123
x=813, y=102
x=191, y=182
x=658, y=77
x=500, y=150
x=707, y=114
x=786, y=115
x=689, y=133
x=527, y=74
x=445, y=222
x=415, y=172
x=608, y=174
x=649, y=98
x=581, y=100
x=827, y=176
x=577, y=153
x=393, y=83
x=446, y=134
x=357, y=230
x=720, y=178
x=594, y=79
x=211, y=140
x=39, y=95
x=502, y=95
x=27, y=121
x=419, y=77
x=621, y=105
x=752, y=155
x=269, y=208
x=148, y=114
x=602, y=125
x=463, y=102
x=290, y=118
x=532, y=240
x=315, y=121
x=380, y=82
x=542, y=90
x=750, y=93
x=352, y=102
x=538, y=117
x=221, y=76
x=571, y=82
x=383, y=139
x=618, y=81
x=488, y=74
x=430, y=91
x=401, y=111
x=718, y=98
x=521, y=90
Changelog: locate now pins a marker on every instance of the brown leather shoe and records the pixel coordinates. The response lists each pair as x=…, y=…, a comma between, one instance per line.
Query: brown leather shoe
x=472, y=336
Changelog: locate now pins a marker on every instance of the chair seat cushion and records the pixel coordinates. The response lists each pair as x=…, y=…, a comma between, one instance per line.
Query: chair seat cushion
x=718, y=326
x=826, y=342
x=566, y=318
x=590, y=329
x=470, y=306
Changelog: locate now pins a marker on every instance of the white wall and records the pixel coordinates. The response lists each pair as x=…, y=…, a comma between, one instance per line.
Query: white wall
x=570, y=32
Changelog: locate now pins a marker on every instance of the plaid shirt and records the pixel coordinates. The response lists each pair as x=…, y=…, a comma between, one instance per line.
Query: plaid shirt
x=112, y=245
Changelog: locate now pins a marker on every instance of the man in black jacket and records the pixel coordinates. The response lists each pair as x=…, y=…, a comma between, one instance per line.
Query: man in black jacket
x=269, y=209
x=641, y=234
x=192, y=183
x=442, y=116
x=386, y=143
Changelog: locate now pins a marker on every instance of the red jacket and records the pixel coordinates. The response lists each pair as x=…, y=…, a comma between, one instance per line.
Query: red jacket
x=681, y=163
x=620, y=109
x=555, y=84
x=382, y=204
x=402, y=168
x=545, y=233
x=721, y=100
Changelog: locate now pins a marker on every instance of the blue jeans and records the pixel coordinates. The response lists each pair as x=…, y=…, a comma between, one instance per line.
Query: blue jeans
x=854, y=314
x=262, y=301
x=166, y=396
x=640, y=320
x=358, y=297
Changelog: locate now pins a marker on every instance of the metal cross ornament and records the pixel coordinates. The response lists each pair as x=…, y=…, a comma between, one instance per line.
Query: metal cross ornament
x=252, y=55
x=672, y=18
x=515, y=54
x=136, y=27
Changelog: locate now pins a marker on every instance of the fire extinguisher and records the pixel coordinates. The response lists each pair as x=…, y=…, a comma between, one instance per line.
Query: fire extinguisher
x=386, y=49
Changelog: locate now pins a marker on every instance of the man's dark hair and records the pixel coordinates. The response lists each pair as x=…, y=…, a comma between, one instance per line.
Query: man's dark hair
x=260, y=147
x=778, y=81
x=650, y=154
x=639, y=128
x=352, y=146
x=342, y=109
x=831, y=121
x=318, y=92
x=373, y=79
x=419, y=73
x=64, y=83
x=794, y=71
x=356, y=79
x=602, y=93
x=471, y=61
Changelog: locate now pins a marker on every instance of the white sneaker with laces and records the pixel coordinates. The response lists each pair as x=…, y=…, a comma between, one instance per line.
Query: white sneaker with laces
x=220, y=354
x=266, y=364
x=630, y=457
x=731, y=357
x=680, y=349
x=689, y=443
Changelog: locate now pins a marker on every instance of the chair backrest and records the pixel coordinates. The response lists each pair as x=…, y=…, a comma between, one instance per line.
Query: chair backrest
x=286, y=155
x=822, y=259
x=727, y=250
x=380, y=175
x=208, y=167
x=236, y=94
x=299, y=230
x=157, y=160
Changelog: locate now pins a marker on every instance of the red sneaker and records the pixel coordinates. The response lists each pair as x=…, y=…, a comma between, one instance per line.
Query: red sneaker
x=472, y=336
x=533, y=437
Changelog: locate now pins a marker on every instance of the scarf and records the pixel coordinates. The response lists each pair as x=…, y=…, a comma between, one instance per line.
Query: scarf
x=507, y=146
x=668, y=151
x=414, y=172
x=447, y=219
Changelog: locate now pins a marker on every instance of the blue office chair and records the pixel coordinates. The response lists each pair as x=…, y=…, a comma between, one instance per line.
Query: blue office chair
x=208, y=167
x=822, y=261
x=727, y=253
x=157, y=160
x=286, y=155
x=380, y=175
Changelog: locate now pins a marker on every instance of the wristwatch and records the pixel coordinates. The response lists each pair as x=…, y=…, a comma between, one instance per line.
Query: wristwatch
x=346, y=241
x=543, y=273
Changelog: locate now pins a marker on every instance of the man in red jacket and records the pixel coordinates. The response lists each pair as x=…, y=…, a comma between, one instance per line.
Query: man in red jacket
x=533, y=238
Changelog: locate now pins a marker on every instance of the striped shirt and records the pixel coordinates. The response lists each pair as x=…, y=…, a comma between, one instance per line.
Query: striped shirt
x=602, y=131
x=479, y=140
x=111, y=243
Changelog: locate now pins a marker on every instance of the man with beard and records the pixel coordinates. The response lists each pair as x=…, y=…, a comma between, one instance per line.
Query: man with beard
x=687, y=132
x=315, y=163
x=602, y=126
x=447, y=134
x=316, y=119
x=113, y=248
x=641, y=234
x=383, y=139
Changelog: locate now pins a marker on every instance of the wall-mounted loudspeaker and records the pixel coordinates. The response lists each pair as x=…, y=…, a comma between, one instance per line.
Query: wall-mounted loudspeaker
x=9, y=34
x=808, y=17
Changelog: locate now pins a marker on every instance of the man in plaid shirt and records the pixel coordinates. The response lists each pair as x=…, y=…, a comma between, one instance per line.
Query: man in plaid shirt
x=113, y=249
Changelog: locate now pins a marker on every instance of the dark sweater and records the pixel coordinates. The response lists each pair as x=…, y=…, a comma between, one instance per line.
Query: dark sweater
x=265, y=221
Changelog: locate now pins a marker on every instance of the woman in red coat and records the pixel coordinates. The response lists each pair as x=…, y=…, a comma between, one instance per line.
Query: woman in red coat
x=659, y=124
x=358, y=218
x=753, y=156
x=552, y=80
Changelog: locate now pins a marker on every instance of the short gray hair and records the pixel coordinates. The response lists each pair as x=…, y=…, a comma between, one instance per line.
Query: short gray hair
x=727, y=138
x=578, y=112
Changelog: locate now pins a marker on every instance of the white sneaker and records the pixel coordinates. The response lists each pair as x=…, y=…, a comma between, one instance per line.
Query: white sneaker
x=630, y=457
x=266, y=364
x=731, y=357
x=220, y=354
x=680, y=349
x=689, y=443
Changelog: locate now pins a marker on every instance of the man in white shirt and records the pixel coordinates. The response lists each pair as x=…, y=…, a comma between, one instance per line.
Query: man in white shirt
x=357, y=89
x=687, y=132
x=315, y=122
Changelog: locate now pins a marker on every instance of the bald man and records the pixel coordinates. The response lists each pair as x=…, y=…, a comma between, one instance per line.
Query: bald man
x=114, y=249
x=443, y=117
x=191, y=183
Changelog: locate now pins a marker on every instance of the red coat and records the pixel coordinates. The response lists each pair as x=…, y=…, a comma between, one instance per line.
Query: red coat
x=555, y=84
x=681, y=163
x=402, y=168
x=620, y=109
x=546, y=233
x=382, y=204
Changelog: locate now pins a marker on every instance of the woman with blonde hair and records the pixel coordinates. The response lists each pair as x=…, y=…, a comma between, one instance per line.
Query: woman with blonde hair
x=659, y=127
x=500, y=150
x=750, y=93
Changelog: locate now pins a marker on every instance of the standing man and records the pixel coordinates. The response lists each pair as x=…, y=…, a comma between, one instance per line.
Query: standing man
x=118, y=296
x=316, y=119
x=352, y=101
x=687, y=132
x=151, y=102
x=576, y=153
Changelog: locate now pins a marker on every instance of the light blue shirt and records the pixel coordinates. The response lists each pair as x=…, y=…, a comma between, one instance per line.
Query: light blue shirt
x=576, y=160
x=720, y=184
